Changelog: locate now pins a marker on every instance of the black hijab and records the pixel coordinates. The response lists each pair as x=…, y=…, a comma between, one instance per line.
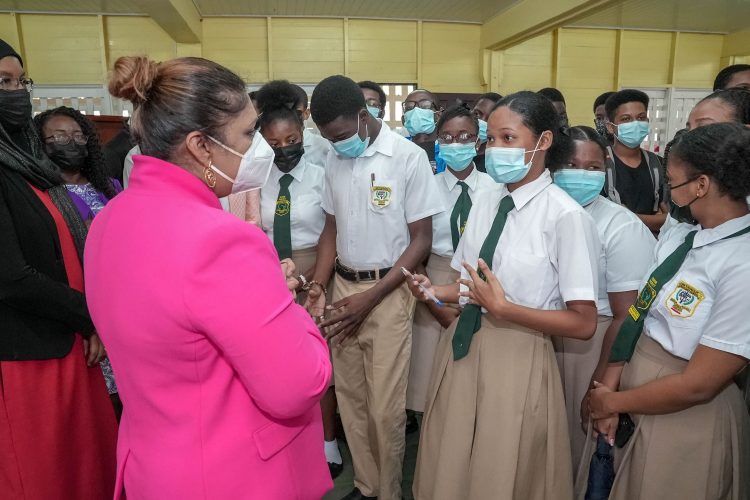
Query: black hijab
x=23, y=152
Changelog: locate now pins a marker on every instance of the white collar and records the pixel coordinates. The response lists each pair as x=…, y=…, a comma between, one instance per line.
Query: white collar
x=451, y=180
x=527, y=192
x=383, y=142
x=298, y=172
x=707, y=236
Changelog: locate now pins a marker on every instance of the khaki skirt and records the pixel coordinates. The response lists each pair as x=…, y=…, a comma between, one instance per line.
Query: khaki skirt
x=577, y=360
x=696, y=454
x=426, y=334
x=495, y=425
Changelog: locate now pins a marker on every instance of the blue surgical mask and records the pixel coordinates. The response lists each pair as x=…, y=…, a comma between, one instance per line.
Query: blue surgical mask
x=374, y=111
x=633, y=133
x=482, y=131
x=458, y=156
x=419, y=121
x=582, y=185
x=506, y=165
x=354, y=146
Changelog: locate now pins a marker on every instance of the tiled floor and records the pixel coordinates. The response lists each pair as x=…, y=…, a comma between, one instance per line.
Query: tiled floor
x=343, y=484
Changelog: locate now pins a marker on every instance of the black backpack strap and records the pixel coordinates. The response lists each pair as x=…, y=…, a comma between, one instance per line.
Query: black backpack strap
x=654, y=167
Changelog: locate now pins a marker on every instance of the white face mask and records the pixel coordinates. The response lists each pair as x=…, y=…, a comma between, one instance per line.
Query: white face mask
x=255, y=165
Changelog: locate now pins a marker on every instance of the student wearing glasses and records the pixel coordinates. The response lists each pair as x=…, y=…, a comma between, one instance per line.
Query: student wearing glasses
x=421, y=111
x=458, y=186
x=374, y=98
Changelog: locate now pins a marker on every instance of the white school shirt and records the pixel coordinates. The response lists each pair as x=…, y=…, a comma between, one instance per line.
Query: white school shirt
x=627, y=249
x=548, y=252
x=706, y=302
x=447, y=183
x=316, y=147
x=371, y=226
x=306, y=190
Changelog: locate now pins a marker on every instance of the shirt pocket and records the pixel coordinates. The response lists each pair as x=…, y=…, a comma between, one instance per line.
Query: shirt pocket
x=524, y=277
x=381, y=196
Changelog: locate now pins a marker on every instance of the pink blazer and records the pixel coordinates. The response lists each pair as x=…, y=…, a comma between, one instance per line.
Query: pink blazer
x=220, y=372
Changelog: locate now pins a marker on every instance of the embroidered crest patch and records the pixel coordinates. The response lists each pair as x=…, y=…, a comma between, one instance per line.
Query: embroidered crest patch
x=381, y=196
x=684, y=300
x=283, y=206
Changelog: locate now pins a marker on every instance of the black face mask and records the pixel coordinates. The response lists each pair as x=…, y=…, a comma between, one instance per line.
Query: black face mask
x=681, y=214
x=288, y=157
x=71, y=157
x=15, y=109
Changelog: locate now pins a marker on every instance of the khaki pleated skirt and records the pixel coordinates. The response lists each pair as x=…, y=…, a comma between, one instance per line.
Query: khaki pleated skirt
x=426, y=334
x=577, y=360
x=495, y=426
x=702, y=453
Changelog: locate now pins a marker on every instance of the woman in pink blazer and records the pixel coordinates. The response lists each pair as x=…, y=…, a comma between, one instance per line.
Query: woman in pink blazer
x=219, y=371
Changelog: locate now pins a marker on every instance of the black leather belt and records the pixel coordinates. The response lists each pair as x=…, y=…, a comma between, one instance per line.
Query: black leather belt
x=352, y=275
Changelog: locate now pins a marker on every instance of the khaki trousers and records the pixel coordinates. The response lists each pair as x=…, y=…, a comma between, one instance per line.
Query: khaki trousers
x=371, y=370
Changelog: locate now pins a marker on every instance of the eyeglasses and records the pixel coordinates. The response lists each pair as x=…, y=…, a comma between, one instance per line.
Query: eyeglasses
x=16, y=83
x=64, y=139
x=373, y=102
x=424, y=104
x=463, y=138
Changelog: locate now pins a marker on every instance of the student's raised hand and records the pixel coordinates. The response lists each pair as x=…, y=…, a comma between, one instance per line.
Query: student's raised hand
x=487, y=292
x=413, y=284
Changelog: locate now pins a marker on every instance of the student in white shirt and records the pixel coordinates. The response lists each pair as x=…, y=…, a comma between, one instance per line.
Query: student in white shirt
x=687, y=336
x=291, y=213
x=379, y=199
x=495, y=424
x=626, y=252
x=459, y=185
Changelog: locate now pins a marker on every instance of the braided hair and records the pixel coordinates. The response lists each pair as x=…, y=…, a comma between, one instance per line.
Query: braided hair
x=93, y=169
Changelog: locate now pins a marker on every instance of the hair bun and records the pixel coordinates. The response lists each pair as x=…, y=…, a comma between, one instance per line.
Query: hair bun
x=132, y=78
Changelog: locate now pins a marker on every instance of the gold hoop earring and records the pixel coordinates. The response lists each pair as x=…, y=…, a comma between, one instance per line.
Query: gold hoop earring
x=210, y=176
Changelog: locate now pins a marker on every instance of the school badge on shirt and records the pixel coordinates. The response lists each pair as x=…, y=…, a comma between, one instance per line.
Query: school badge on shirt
x=381, y=196
x=683, y=301
x=283, y=205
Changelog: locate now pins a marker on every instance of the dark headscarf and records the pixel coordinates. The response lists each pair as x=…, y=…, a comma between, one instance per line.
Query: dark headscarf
x=24, y=153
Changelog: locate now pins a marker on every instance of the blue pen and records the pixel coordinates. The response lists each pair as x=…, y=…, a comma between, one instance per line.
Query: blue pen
x=429, y=294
